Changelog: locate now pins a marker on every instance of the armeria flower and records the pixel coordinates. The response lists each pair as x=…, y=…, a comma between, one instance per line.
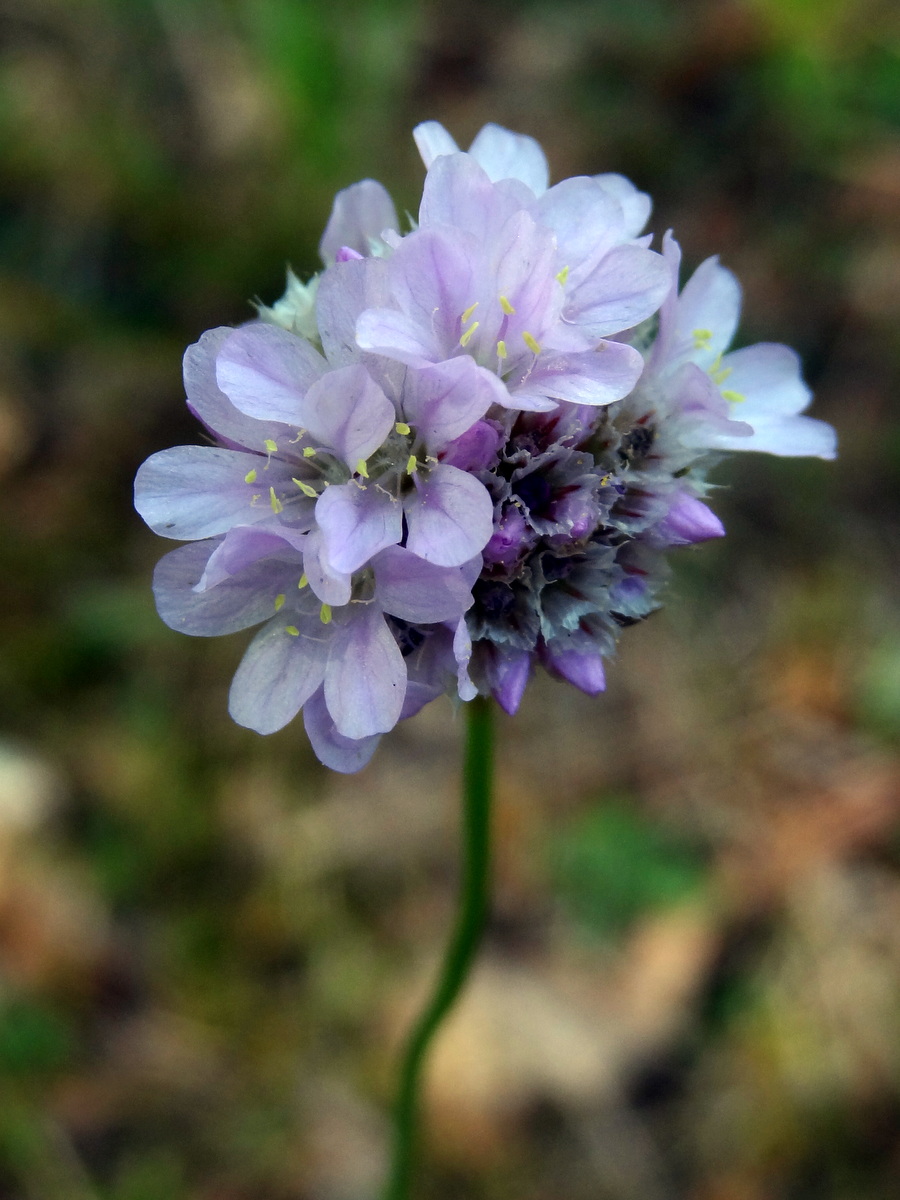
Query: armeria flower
x=460, y=452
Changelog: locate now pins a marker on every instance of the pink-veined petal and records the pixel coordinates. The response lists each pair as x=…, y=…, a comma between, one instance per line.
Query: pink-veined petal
x=356, y=523
x=408, y=587
x=266, y=371
x=361, y=213
x=366, y=677
x=507, y=155
x=191, y=492
x=283, y=666
x=450, y=517
x=338, y=753
x=348, y=412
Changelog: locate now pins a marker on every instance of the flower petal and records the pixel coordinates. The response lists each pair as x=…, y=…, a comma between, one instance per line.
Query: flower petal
x=192, y=492
x=688, y=521
x=356, y=523
x=507, y=155
x=767, y=378
x=242, y=547
x=408, y=587
x=450, y=517
x=366, y=677
x=236, y=603
x=587, y=220
x=332, y=587
x=710, y=303
x=386, y=331
x=459, y=194
x=443, y=401
x=338, y=753
x=348, y=412
x=785, y=436
x=628, y=285
x=432, y=140
x=585, y=671
x=210, y=405
x=508, y=673
x=266, y=371
x=594, y=377
x=345, y=291
x=636, y=206
x=279, y=672
x=361, y=213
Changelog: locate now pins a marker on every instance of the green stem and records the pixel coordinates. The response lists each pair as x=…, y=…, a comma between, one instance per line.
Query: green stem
x=463, y=944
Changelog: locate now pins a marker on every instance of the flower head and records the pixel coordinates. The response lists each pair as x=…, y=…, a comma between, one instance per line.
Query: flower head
x=459, y=452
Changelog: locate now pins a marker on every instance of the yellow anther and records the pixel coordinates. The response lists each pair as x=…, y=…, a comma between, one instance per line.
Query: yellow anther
x=531, y=343
x=506, y=306
x=279, y=601
x=271, y=446
x=274, y=502
x=306, y=488
x=308, y=451
x=563, y=275
x=721, y=374
x=411, y=465
x=702, y=337
x=361, y=468
x=734, y=397
x=325, y=614
x=467, y=336
x=292, y=630
x=250, y=477
x=468, y=313
x=402, y=428
x=304, y=582
x=605, y=480
x=501, y=349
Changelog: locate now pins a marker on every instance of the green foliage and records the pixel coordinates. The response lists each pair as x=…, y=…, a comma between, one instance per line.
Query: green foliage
x=35, y=1039
x=610, y=865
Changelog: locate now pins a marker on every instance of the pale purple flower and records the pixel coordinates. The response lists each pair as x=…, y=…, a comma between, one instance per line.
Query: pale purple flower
x=458, y=452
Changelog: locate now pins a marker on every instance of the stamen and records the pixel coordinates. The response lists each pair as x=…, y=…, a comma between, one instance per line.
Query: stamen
x=720, y=374
x=325, y=614
x=506, y=306
x=304, y=582
x=250, y=477
x=279, y=601
x=275, y=503
x=468, y=313
x=501, y=349
x=531, y=343
x=402, y=428
x=306, y=488
x=361, y=468
x=734, y=397
x=308, y=451
x=702, y=338
x=411, y=465
x=292, y=630
x=562, y=276
x=467, y=336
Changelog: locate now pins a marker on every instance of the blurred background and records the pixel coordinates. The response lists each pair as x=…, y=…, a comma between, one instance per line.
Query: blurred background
x=209, y=945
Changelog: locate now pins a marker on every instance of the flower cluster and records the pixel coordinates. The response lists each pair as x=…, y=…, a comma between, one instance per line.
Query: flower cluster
x=459, y=451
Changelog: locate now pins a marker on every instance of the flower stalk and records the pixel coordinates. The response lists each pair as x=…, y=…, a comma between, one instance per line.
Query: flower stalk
x=463, y=946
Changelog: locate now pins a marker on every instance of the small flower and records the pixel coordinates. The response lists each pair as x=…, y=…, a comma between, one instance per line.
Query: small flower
x=459, y=452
